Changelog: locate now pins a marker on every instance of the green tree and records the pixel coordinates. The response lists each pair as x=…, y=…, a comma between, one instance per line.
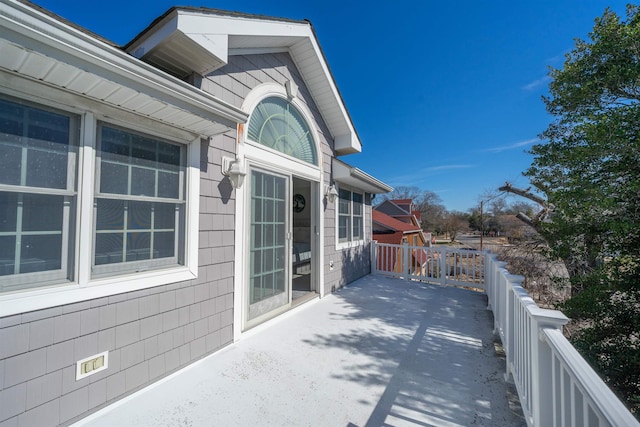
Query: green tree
x=589, y=168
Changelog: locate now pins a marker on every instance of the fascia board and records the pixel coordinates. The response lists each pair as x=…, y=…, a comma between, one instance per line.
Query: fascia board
x=357, y=178
x=344, y=133
x=239, y=25
x=380, y=186
x=42, y=33
x=347, y=144
x=385, y=226
x=151, y=39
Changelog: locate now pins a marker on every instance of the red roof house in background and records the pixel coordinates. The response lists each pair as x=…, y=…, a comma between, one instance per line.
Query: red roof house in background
x=403, y=227
x=402, y=210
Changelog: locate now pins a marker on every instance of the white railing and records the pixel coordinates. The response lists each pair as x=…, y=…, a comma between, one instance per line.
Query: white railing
x=443, y=265
x=556, y=386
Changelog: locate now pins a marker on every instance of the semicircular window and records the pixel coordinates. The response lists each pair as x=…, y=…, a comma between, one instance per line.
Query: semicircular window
x=277, y=124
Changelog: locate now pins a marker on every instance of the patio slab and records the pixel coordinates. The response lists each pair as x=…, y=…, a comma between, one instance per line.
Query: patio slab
x=379, y=352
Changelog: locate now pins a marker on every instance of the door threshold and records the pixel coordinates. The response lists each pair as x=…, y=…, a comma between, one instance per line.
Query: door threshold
x=307, y=296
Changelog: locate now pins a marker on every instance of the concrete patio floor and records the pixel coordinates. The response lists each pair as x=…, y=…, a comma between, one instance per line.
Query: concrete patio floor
x=378, y=352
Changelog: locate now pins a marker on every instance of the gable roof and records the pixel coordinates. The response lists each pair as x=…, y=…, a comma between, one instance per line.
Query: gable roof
x=390, y=208
x=401, y=201
x=186, y=39
x=406, y=205
x=391, y=223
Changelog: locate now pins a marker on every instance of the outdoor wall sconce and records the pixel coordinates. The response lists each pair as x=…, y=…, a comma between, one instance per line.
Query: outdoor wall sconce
x=331, y=193
x=235, y=169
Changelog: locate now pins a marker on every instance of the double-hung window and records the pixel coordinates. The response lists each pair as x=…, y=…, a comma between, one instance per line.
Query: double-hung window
x=135, y=221
x=38, y=169
x=139, y=202
x=350, y=216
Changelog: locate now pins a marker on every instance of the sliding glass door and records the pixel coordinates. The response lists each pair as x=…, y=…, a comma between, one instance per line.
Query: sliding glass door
x=269, y=276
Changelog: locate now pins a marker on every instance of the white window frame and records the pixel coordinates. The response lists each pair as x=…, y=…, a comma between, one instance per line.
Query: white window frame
x=350, y=241
x=83, y=286
x=16, y=283
x=289, y=103
x=111, y=269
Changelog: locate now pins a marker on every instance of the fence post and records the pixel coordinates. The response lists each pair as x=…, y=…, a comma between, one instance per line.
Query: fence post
x=489, y=286
x=406, y=265
x=541, y=363
x=443, y=266
x=500, y=287
x=373, y=256
x=508, y=313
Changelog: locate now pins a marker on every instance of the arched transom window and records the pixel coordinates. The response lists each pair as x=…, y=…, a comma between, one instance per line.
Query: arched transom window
x=277, y=124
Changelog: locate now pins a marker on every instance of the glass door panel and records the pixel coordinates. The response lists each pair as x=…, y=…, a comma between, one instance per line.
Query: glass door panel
x=268, y=275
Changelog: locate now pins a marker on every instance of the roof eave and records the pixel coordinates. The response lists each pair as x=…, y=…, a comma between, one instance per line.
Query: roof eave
x=347, y=174
x=30, y=34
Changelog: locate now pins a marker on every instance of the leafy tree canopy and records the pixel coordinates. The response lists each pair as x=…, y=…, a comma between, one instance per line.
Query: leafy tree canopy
x=589, y=168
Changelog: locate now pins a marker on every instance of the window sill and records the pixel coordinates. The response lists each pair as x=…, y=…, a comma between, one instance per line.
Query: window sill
x=38, y=299
x=348, y=245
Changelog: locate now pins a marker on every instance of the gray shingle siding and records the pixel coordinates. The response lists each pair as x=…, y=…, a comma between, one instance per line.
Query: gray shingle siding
x=152, y=332
x=148, y=333
x=233, y=83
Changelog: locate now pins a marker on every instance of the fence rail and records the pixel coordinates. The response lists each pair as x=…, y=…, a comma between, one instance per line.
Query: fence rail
x=442, y=265
x=556, y=386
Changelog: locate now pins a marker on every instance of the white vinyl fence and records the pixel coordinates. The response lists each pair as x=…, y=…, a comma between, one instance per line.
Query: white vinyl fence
x=443, y=265
x=556, y=386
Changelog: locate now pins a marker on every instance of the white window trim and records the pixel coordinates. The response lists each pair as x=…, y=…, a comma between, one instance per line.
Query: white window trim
x=298, y=110
x=16, y=283
x=350, y=243
x=83, y=287
x=266, y=90
x=108, y=269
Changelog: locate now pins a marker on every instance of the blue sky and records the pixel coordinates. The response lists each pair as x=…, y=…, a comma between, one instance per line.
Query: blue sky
x=446, y=96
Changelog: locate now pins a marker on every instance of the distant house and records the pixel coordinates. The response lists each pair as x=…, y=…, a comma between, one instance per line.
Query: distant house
x=160, y=199
x=404, y=210
x=387, y=229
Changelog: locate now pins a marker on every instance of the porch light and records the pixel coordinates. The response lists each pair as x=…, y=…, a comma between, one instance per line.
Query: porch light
x=235, y=169
x=331, y=193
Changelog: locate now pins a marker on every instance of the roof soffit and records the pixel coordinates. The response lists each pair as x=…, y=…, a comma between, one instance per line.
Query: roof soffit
x=77, y=62
x=354, y=177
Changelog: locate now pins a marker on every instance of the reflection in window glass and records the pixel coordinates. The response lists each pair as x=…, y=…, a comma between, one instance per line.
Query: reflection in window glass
x=38, y=151
x=143, y=226
x=350, y=216
x=277, y=124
